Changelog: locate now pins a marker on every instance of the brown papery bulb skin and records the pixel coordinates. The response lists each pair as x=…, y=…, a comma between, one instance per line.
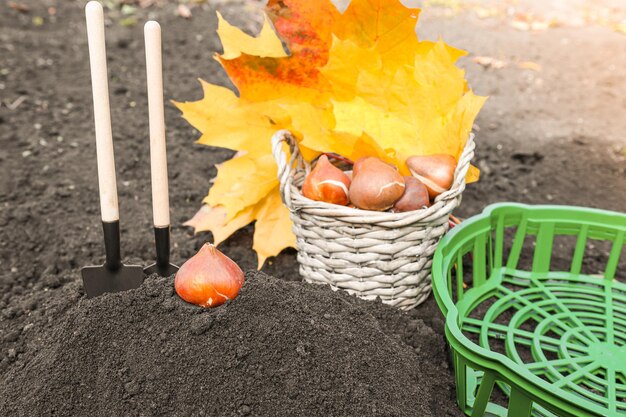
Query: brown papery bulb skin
x=415, y=196
x=435, y=171
x=209, y=278
x=376, y=185
x=327, y=183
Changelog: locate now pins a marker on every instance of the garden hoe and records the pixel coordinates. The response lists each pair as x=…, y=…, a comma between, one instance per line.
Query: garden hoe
x=113, y=276
x=158, y=158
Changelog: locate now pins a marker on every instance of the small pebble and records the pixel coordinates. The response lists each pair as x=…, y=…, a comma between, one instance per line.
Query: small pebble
x=201, y=327
x=484, y=167
x=12, y=336
x=132, y=387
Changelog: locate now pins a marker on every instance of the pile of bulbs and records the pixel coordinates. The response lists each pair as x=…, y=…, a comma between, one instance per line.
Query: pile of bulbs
x=376, y=185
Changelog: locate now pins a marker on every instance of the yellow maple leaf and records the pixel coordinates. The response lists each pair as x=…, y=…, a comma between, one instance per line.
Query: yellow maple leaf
x=356, y=84
x=425, y=103
x=242, y=182
x=346, y=63
x=388, y=26
x=228, y=122
x=272, y=230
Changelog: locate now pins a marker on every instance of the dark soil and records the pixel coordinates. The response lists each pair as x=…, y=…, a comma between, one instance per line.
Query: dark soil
x=554, y=136
x=280, y=348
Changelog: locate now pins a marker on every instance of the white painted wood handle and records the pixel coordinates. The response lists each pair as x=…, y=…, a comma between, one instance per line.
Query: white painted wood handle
x=158, y=156
x=102, y=116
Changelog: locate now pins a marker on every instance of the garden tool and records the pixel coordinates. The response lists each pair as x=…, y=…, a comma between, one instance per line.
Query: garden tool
x=113, y=276
x=158, y=158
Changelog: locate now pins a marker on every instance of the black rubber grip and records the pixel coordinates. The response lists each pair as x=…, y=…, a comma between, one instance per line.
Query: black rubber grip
x=162, y=241
x=112, y=245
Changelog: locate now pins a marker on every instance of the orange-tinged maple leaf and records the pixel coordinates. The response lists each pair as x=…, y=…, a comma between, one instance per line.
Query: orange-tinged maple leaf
x=306, y=28
x=304, y=25
x=207, y=218
x=356, y=84
x=214, y=220
x=258, y=79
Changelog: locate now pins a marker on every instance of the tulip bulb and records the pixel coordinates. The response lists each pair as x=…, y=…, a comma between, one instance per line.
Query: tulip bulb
x=415, y=196
x=327, y=183
x=376, y=185
x=209, y=278
x=435, y=171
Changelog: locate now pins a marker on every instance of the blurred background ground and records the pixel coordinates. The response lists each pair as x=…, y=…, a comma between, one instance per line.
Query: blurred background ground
x=551, y=132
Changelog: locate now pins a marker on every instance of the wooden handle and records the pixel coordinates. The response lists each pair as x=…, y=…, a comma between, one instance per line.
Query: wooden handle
x=158, y=156
x=100, y=87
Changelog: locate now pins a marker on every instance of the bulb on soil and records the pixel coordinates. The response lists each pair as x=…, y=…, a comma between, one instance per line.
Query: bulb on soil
x=209, y=278
x=327, y=183
x=376, y=185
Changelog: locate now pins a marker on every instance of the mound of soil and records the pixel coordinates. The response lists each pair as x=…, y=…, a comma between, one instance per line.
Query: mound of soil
x=280, y=348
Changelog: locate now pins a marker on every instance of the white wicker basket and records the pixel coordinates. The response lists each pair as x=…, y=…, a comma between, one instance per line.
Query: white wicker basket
x=367, y=253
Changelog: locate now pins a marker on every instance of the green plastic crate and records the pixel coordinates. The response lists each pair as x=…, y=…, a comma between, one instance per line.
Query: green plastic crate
x=553, y=339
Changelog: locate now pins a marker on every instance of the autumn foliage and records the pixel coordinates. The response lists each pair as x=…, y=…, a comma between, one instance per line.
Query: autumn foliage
x=357, y=83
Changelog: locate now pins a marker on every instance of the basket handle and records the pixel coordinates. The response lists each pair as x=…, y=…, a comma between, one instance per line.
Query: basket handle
x=286, y=168
x=462, y=166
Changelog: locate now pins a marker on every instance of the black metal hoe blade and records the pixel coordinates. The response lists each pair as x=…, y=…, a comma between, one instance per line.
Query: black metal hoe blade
x=162, y=266
x=113, y=276
x=158, y=157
